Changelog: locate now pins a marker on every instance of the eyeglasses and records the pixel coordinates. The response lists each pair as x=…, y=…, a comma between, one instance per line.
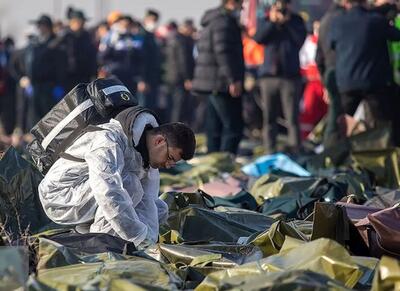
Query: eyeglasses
x=170, y=159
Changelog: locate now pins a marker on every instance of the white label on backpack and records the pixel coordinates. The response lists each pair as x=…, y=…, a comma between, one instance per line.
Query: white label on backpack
x=114, y=89
x=57, y=129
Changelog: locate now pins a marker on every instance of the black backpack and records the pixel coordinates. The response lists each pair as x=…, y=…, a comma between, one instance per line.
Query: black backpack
x=84, y=107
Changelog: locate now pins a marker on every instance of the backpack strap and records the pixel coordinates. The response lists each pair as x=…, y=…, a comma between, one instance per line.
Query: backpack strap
x=89, y=128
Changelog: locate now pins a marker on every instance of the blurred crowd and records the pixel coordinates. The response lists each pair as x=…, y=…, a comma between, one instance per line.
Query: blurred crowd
x=155, y=62
x=252, y=70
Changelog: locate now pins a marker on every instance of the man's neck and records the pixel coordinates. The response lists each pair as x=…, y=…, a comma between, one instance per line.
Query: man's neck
x=144, y=145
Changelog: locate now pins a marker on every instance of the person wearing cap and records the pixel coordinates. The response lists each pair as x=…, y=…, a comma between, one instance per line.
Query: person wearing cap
x=283, y=33
x=44, y=70
x=115, y=189
x=79, y=47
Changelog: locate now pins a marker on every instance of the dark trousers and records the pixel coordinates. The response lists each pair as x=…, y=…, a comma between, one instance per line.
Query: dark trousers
x=380, y=107
x=8, y=112
x=42, y=100
x=289, y=92
x=396, y=117
x=224, y=123
x=332, y=130
x=182, y=105
x=379, y=104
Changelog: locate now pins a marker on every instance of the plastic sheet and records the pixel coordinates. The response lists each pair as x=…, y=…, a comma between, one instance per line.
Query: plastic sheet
x=265, y=164
x=387, y=275
x=20, y=208
x=322, y=256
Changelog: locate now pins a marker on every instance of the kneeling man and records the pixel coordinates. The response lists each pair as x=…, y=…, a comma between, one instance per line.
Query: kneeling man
x=111, y=183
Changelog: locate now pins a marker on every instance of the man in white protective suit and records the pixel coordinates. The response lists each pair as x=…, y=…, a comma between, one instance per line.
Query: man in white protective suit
x=114, y=186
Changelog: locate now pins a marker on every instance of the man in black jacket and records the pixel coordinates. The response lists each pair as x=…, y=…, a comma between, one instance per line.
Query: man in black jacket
x=363, y=70
x=148, y=87
x=283, y=33
x=326, y=61
x=179, y=64
x=45, y=70
x=81, y=52
x=219, y=74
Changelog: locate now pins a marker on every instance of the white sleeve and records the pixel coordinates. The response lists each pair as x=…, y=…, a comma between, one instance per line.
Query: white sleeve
x=151, y=209
x=105, y=164
x=152, y=185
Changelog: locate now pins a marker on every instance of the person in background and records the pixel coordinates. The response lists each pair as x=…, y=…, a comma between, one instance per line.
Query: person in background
x=219, y=75
x=121, y=53
x=313, y=105
x=283, y=33
x=149, y=88
x=390, y=9
x=81, y=52
x=363, y=69
x=150, y=20
x=99, y=32
x=179, y=64
x=59, y=28
x=17, y=67
x=44, y=72
x=7, y=91
x=387, y=8
x=326, y=61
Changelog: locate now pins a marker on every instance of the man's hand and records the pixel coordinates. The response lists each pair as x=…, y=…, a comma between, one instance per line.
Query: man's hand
x=24, y=82
x=142, y=87
x=236, y=89
x=326, y=96
x=188, y=85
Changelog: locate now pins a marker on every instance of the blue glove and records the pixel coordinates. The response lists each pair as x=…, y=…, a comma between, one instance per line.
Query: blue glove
x=28, y=91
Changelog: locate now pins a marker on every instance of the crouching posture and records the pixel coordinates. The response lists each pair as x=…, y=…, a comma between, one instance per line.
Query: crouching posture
x=109, y=179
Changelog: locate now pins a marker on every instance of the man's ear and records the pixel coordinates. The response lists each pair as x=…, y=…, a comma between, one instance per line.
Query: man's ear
x=159, y=139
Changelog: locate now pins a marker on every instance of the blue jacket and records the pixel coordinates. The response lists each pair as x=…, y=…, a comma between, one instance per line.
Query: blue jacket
x=282, y=46
x=359, y=38
x=122, y=55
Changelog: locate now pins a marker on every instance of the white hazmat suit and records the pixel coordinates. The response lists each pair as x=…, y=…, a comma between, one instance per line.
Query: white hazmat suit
x=111, y=190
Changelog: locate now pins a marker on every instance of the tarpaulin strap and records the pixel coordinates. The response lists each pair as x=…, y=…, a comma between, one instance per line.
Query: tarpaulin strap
x=89, y=128
x=71, y=157
x=59, y=127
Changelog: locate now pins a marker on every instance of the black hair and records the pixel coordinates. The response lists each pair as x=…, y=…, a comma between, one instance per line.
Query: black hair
x=188, y=22
x=172, y=25
x=102, y=23
x=179, y=135
x=154, y=13
x=226, y=1
x=356, y=1
x=127, y=18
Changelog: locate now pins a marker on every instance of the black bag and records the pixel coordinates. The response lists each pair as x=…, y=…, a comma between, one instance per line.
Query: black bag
x=87, y=104
x=20, y=208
